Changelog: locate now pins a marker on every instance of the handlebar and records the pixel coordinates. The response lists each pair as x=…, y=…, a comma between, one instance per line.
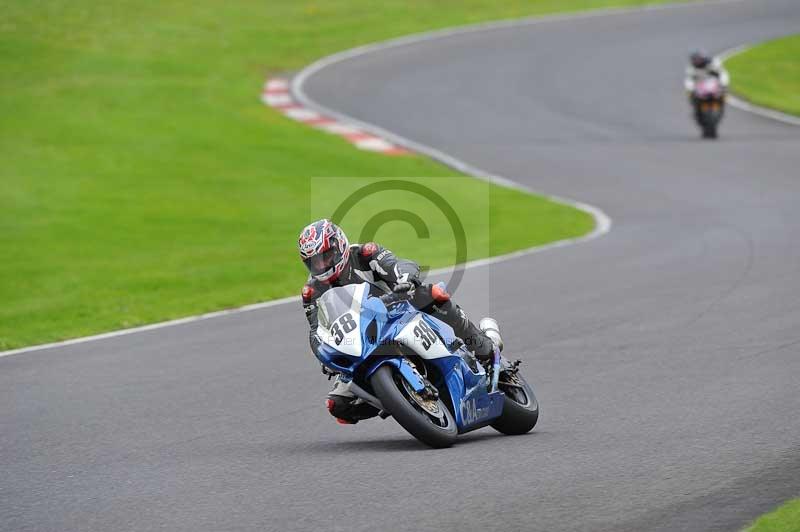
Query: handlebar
x=396, y=297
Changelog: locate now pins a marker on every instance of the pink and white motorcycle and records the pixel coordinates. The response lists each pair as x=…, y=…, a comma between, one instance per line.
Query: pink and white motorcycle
x=708, y=98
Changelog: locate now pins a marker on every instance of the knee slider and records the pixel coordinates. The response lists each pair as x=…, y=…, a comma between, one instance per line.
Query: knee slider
x=337, y=405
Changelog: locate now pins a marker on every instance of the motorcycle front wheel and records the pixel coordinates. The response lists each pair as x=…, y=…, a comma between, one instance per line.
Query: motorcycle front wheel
x=428, y=420
x=520, y=407
x=710, y=130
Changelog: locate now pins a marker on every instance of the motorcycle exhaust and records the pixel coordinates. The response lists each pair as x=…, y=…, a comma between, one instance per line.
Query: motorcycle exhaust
x=491, y=329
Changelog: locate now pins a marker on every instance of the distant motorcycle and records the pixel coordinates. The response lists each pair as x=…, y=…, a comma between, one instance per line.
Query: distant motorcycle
x=708, y=98
x=411, y=366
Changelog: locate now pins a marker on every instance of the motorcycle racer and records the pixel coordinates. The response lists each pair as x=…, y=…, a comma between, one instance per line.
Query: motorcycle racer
x=333, y=261
x=702, y=65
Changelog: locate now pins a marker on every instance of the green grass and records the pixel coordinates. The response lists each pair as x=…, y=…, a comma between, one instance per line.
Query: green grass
x=769, y=74
x=143, y=180
x=784, y=519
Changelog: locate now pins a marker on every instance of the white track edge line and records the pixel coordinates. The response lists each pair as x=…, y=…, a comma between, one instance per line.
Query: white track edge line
x=153, y=326
x=744, y=105
x=602, y=221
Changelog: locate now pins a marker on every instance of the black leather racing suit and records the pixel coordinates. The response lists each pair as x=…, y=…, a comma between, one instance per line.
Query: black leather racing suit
x=381, y=268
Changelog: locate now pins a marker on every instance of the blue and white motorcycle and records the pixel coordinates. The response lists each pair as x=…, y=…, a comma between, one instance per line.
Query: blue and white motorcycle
x=411, y=366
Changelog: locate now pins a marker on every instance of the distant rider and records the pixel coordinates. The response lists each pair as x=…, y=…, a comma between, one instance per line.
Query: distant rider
x=332, y=261
x=701, y=66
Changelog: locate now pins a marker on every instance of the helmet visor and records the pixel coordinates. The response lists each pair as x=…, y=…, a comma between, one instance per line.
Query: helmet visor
x=321, y=264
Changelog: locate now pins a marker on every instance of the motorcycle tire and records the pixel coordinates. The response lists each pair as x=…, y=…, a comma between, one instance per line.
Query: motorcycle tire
x=520, y=408
x=389, y=388
x=708, y=124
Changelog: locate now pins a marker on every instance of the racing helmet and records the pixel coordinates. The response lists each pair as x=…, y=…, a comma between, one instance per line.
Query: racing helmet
x=699, y=59
x=324, y=250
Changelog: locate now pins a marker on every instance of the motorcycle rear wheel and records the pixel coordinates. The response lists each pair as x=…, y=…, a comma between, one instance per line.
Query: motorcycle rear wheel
x=520, y=407
x=435, y=431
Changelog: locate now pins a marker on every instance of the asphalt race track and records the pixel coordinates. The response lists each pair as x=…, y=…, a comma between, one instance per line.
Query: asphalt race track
x=666, y=354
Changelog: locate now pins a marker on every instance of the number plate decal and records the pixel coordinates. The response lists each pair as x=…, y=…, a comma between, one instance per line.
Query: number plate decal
x=421, y=337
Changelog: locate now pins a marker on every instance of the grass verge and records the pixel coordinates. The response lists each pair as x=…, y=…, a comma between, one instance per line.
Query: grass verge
x=769, y=74
x=784, y=519
x=143, y=180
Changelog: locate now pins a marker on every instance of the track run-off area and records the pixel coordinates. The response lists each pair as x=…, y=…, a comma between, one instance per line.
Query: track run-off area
x=666, y=354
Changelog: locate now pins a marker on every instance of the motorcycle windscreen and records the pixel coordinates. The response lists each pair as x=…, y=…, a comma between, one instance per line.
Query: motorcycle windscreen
x=339, y=317
x=334, y=303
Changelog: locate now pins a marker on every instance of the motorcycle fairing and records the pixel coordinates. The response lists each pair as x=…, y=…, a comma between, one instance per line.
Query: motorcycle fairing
x=378, y=327
x=473, y=407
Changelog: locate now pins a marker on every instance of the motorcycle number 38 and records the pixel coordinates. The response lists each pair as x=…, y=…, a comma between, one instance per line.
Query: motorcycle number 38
x=344, y=325
x=424, y=333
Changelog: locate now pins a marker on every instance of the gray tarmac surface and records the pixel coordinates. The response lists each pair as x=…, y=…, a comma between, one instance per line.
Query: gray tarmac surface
x=666, y=355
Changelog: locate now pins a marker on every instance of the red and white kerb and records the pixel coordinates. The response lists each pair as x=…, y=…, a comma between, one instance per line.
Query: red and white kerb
x=276, y=95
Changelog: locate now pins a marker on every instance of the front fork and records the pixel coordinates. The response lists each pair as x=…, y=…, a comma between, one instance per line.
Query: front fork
x=368, y=398
x=495, y=368
x=406, y=370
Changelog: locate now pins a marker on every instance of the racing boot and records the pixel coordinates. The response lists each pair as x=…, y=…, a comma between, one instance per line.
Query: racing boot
x=435, y=300
x=346, y=407
x=474, y=339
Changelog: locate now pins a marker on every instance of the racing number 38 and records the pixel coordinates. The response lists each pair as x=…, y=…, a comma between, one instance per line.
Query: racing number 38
x=424, y=332
x=342, y=326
